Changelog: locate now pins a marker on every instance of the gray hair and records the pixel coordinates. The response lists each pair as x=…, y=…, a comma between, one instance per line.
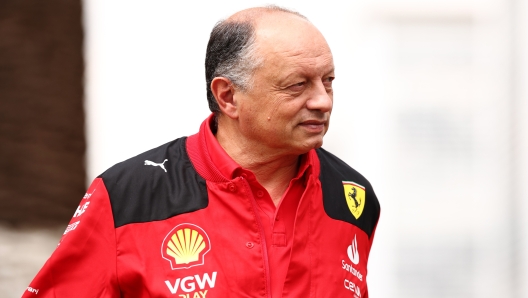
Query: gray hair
x=238, y=69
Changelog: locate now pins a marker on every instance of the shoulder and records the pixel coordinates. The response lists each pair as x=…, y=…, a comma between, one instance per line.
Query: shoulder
x=155, y=185
x=333, y=165
x=347, y=195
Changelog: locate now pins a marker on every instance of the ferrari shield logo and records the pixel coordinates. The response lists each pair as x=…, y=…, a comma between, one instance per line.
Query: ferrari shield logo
x=355, y=197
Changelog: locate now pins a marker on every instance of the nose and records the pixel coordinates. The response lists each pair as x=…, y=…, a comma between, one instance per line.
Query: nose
x=321, y=98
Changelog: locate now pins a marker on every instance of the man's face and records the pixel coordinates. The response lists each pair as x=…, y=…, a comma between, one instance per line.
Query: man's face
x=288, y=105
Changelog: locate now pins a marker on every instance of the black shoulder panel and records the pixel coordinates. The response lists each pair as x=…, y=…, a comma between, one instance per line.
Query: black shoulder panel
x=155, y=185
x=333, y=172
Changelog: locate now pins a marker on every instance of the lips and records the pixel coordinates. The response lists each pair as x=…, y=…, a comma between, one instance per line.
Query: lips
x=314, y=125
x=313, y=122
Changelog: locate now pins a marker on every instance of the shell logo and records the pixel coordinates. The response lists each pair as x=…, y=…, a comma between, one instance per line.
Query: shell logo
x=185, y=246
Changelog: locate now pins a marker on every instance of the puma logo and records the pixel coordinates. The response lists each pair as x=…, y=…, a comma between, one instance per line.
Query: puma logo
x=151, y=163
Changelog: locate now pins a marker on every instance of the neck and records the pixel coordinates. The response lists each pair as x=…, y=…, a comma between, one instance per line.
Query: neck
x=273, y=169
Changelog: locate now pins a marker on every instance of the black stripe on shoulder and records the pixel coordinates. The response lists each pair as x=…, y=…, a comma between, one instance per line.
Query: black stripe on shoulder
x=366, y=207
x=155, y=185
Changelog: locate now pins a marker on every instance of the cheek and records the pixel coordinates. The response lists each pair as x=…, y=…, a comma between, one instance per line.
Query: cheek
x=252, y=119
x=248, y=109
x=285, y=108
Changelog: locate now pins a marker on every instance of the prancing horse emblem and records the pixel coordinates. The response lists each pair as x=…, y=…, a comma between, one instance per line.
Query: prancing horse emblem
x=355, y=197
x=151, y=163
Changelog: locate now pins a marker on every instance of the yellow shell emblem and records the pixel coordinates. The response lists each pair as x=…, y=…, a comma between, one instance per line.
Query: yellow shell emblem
x=355, y=197
x=185, y=246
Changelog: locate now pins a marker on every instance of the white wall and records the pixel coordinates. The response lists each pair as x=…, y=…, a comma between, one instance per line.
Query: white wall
x=424, y=98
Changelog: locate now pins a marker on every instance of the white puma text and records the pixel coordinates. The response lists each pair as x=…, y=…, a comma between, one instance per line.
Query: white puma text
x=151, y=163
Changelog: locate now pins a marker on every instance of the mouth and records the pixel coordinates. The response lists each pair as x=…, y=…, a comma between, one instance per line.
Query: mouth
x=314, y=126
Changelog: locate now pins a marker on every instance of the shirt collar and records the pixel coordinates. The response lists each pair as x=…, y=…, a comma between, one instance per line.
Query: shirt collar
x=230, y=169
x=221, y=160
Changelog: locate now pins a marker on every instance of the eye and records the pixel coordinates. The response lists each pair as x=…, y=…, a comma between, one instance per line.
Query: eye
x=297, y=87
x=327, y=82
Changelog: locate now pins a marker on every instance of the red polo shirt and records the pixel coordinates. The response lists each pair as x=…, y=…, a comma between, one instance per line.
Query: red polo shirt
x=277, y=221
x=122, y=240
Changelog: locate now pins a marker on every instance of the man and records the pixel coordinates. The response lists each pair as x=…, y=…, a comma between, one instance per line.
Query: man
x=245, y=208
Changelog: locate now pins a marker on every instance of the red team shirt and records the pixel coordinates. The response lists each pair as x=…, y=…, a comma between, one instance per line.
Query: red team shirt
x=184, y=220
x=277, y=222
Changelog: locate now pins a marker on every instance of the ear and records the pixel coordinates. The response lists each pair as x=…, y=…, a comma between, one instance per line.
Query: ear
x=224, y=91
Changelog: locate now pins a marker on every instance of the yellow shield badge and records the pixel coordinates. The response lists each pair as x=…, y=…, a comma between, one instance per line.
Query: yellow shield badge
x=355, y=197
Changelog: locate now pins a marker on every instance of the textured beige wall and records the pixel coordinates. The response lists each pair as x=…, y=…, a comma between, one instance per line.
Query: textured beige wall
x=22, y=254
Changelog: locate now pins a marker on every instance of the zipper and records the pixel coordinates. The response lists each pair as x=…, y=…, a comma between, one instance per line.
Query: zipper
x=263, y=242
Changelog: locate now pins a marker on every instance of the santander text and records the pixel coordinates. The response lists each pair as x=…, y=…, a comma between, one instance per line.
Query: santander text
x=352, y=270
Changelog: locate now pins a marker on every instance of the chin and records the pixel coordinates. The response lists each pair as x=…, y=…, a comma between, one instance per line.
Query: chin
x=318, y=145
x=311, y=144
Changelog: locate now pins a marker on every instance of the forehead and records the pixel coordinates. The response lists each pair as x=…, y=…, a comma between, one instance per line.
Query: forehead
x=283, y=38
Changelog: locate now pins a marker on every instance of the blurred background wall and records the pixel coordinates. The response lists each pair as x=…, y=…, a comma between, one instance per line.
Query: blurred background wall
x=431, y=104
x=42, y=140
x=41, y=111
